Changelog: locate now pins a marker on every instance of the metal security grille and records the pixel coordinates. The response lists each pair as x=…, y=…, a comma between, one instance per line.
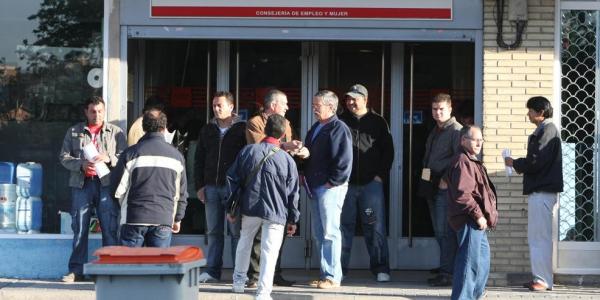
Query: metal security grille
x=579, y=96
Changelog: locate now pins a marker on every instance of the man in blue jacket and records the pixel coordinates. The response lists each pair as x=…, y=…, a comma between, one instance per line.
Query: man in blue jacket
x=150, y=183
x=326, y=172
x=267, y=180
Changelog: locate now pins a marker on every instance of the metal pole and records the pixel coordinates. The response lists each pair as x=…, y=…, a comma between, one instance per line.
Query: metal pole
x=410, y=149
x=382, y=111
x=237, y=76
x=208, y=84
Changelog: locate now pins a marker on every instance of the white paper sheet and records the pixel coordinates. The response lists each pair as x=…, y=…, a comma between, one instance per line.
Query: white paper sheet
x=505, y=154
x=90, y=151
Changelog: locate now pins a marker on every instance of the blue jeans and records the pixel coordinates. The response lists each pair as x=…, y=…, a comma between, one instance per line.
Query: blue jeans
x=91, y=196
x=368, y=199
x=472, y=265
x=445, y=236
x=149, y=236
x=216, y=196
x=326, y=210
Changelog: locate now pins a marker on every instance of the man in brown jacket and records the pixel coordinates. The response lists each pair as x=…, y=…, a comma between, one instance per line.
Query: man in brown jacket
x=471, y=211
x=275, y=102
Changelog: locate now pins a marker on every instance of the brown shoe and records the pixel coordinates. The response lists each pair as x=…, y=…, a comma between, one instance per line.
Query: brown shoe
x=538, y=287
x=315, y=282
x=328, y=284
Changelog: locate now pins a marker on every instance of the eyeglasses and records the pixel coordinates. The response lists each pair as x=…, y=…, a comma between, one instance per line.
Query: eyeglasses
x=475, y=140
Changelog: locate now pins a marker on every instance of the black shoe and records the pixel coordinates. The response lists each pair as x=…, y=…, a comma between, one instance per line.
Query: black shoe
x=435, y=271
x=440, y=280
x=251, y=284
x=280, y=281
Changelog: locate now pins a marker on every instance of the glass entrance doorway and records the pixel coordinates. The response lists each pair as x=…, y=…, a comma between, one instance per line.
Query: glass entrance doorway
x=185, y=73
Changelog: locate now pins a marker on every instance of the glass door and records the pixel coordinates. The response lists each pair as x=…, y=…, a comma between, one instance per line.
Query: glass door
x=255, y=68
x=341, y=65
x=429, y=69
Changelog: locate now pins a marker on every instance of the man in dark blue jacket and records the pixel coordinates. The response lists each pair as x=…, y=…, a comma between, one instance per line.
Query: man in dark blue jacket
x=268, y=181
x=149, y=181
x=326, y=172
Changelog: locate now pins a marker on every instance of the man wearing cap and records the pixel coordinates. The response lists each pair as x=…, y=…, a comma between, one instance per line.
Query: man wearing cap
x=372, y=156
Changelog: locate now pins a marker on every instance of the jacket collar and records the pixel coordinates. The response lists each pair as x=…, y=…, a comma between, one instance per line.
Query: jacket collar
x=153, y=135
x=541, y=126
x=445, y=125
x=234, y=119
x=271, y=140
x=104, y=127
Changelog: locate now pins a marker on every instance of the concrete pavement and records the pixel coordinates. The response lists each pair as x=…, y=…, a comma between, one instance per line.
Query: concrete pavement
x=358, y=285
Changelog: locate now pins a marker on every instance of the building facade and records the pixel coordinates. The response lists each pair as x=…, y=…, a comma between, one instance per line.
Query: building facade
x=404, y=52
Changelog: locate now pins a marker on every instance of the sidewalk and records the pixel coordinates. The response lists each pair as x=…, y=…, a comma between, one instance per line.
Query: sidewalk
x=359, y=285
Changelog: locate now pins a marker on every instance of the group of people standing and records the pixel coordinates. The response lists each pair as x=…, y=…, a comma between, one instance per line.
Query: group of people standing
x=250, y=173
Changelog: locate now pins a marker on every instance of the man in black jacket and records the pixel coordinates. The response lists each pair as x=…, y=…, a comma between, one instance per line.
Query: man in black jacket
x=373, y=153
x=218, y=145
x=542, y=182
x=149, y=181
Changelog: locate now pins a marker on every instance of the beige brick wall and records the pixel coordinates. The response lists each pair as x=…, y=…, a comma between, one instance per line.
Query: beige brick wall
x=510, y=77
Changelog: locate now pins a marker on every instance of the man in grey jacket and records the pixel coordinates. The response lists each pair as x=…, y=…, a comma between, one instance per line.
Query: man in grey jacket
x=443, y=143
x=89, y=188
x=267, y=180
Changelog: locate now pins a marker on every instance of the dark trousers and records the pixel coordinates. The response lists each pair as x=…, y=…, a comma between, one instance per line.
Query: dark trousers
x=149, y=236
x=254, y=267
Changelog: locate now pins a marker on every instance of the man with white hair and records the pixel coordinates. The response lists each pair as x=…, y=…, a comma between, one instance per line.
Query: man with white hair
x=326, y=172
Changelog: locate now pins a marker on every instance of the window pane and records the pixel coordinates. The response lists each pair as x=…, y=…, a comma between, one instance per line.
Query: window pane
x=50, y=60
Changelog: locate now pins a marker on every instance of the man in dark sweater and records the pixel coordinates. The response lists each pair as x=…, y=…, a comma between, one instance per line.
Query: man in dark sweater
x=471, y=211
x=218, y=145
x=542, y=182
x=150, y=183
x=373, y=153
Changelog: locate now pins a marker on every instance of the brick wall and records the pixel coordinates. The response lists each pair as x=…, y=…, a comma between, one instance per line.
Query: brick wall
x=510, y=77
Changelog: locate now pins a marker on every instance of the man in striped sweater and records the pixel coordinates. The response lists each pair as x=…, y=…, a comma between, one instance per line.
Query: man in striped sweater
x=150, y=183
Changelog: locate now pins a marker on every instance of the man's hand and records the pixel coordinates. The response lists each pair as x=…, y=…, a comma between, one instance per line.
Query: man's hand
x=101, y=158
x=200, y=194
x=302, y=153
x=291, y=146
x=231, y=219
x=482, y=222
x=87, y=166
x=291, y=229
x=443, y=185
x=508, y=161
x=378, y=179
x=176, y=227
x=328, y=185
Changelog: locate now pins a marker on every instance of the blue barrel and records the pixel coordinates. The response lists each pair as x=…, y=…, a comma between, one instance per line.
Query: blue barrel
x=8, y=202
x=29, y=214
x=29, y=179
x=7, y=172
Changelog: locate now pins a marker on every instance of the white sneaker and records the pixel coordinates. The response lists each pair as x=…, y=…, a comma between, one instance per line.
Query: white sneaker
x=205, y=277
x=238, y=287
x=383, y=277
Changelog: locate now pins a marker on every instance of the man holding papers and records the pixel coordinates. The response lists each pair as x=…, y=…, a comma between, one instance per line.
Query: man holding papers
x=89, y=150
